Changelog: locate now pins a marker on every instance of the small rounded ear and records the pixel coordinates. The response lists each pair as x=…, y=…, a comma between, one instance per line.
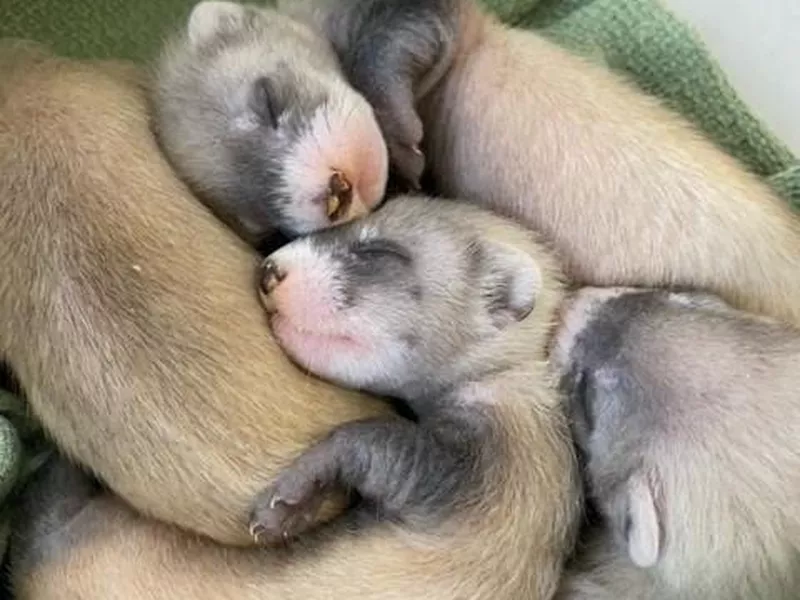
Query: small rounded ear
x=642, y=525
x=510, y=282
x=210, y=17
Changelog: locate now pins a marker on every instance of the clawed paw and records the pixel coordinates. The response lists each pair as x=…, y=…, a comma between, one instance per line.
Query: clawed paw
x=403, y=131
x=288, y=508
x=409, y=163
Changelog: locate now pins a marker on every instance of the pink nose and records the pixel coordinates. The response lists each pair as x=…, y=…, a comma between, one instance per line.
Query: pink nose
x=343, y=202
x=271, y=277
x=340, y=197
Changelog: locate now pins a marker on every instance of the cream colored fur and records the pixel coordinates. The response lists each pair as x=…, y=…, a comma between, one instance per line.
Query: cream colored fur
x=129, y=312
x=628, y=191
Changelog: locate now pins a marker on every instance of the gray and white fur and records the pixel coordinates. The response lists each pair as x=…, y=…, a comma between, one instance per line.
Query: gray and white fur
x=686, y=413
x=448, y=307
x=252, y=109
x=394, y=307
x=393, y=52
x=639, y=198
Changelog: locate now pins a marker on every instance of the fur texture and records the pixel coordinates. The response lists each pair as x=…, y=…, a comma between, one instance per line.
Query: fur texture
x=130, y=313
x=478, y=499
x=252, y=109
x=686, y=412
x=628, y=192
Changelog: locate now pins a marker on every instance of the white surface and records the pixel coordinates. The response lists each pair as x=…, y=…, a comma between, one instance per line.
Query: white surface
x=757, y=42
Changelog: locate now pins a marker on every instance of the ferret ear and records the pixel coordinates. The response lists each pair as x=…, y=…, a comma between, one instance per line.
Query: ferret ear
x=211, y=17
x=642, y=524
x=510, y=282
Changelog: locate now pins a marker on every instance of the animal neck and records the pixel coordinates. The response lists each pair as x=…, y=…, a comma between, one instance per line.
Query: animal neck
x=467, y=384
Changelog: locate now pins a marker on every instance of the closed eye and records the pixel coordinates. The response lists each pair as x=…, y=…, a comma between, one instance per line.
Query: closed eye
x=381, y=247
x=265, y=102
x=582, y=397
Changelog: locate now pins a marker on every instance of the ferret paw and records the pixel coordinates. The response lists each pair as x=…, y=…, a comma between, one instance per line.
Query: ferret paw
x=402, y=129
x=289, y=507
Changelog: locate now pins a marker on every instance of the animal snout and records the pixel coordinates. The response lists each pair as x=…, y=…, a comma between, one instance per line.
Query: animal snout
x=301, y=283
x=271, y=277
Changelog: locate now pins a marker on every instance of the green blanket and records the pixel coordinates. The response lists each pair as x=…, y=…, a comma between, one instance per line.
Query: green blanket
x=637, y=37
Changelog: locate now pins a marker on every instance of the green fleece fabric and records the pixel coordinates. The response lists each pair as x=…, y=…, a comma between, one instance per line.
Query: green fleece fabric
x=636, y=37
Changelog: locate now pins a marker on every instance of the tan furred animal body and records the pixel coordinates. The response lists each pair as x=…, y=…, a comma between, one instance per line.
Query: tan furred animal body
x=449, y=307
x=130, y=313
x=600, y=571
x=686, y=412
x=628, y=191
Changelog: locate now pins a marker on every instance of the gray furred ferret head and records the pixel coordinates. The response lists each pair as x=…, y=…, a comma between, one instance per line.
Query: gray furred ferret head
x=253, y=111
x=408, y=300
x=687, y=415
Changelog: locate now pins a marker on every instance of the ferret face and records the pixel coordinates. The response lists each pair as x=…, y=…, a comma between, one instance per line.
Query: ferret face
x=254, y=111
x=398, y=300
x=684, y=411
x=636, y=373
x=610, y=407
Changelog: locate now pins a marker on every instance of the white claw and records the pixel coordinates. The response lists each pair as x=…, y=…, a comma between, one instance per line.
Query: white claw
x=255, y=532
